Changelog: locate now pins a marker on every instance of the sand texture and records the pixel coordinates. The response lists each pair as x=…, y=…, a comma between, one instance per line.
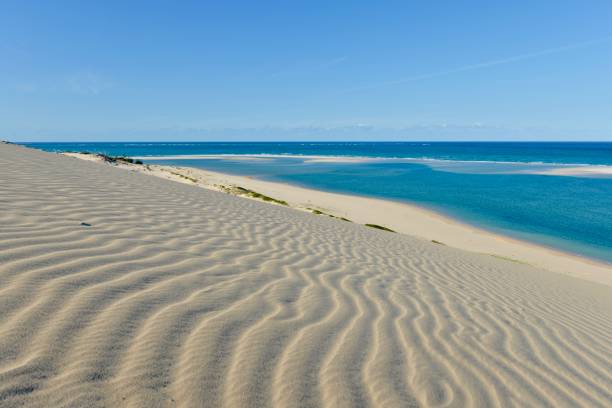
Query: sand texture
x=172, y=295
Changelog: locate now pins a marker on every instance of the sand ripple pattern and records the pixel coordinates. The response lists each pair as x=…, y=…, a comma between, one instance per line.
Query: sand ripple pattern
x=177, y=296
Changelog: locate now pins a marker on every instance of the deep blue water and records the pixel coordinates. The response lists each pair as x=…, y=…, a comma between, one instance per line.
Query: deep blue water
x=491, y=185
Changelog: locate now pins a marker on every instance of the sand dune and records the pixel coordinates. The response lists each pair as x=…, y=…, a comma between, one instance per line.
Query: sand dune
x=178, y=296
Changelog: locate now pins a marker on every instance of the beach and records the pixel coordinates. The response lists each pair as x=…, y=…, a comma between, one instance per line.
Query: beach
x=143, y=286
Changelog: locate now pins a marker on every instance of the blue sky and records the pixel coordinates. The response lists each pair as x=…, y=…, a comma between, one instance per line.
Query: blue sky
x=305, y=70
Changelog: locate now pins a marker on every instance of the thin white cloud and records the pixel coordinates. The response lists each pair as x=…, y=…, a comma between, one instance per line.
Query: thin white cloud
x=333, y=62
x=310, y=67
x=486, y=64
x=82, y=83
x=88, y=83
x=25, y=87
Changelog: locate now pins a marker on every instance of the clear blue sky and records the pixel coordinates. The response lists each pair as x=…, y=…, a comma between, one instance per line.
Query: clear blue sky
x=296, y=70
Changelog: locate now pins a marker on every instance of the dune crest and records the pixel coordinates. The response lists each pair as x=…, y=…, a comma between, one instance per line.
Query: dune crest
x=122, y=289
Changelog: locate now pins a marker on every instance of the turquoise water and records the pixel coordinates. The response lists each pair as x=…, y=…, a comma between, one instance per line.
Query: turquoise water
x=491, y=185
x=528, y=152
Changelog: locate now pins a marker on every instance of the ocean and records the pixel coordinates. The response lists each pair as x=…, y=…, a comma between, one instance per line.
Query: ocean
x=493, y=185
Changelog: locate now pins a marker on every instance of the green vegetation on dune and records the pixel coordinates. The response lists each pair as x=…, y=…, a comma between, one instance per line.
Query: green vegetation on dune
x=263, y=197
x=319, y=212
x=253, y=194
x=505, y=258
x=115, y=159
x=380, y=227
x=193, y=180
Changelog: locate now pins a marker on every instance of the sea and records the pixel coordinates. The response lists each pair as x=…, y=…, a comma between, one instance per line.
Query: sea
x=505, y=187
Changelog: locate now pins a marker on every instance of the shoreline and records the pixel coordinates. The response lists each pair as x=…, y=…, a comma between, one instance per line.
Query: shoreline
x=403, y=218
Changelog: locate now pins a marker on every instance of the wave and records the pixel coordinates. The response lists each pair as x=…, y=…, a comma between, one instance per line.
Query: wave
x=367, y=158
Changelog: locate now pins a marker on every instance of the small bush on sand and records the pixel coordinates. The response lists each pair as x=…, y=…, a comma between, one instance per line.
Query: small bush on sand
x=505, y=258
x=380, y=227
x=254, y=194
x=106, y=158
x=319, y=212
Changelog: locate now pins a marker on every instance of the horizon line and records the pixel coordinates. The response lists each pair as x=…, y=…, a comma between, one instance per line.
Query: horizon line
x=318, y=141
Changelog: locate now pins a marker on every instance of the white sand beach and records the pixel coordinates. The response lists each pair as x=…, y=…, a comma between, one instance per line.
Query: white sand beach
x=120, y=288
x=579, y=171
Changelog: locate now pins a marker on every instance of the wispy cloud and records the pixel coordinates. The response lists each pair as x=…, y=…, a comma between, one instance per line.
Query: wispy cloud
x=80, y=82
x=315, y=132
x=332, y=62
x=486, y=64
x=25, y=87
x=88, y=83
x=306, y=67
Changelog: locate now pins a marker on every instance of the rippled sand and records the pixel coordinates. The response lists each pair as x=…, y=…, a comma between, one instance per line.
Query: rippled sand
x=174, y=295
